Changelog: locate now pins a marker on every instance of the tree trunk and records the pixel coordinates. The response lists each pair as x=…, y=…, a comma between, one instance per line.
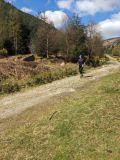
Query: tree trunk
x=67, y=50
x=16, y=45
x=47, y=48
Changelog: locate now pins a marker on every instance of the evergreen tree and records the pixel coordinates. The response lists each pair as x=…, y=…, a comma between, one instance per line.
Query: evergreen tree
x=17, y=29
x=75, y=39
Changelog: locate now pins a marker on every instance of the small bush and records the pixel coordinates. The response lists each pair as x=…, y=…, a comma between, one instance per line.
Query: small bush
x=48, y=77
x=4, y=52
x=9, y=87
x=118, y=59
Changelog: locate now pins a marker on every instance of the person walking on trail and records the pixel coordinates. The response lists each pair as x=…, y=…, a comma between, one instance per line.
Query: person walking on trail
x=81, y=65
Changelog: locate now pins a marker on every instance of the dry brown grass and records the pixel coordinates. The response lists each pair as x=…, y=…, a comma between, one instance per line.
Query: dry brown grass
x=16, y=74
x=19, y=69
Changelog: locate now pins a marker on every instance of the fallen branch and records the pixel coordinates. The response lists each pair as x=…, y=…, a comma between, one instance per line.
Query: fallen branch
x=53, y=115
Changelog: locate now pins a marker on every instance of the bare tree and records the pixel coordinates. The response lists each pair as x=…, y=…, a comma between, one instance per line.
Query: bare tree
x=45, y=33
x=94, y=40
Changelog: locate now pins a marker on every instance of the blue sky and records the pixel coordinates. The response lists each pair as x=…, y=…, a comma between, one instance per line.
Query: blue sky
x=104, y=12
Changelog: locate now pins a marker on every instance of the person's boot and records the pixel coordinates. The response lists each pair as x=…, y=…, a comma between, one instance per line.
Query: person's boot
x=81, y=75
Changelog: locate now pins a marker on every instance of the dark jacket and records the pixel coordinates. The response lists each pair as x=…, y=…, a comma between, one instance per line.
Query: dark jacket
x=81, y=62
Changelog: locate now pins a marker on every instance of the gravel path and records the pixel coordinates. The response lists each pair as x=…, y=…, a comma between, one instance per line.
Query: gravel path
x=16, y=104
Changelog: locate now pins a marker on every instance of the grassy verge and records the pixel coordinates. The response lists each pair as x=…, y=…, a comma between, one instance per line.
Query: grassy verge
x=26, y=76
x=81, y=126
x=12, y=85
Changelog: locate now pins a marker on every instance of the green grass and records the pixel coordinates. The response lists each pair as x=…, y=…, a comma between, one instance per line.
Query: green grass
x=81, y=126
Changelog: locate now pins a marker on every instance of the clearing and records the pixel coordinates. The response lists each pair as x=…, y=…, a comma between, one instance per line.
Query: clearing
x=69, y=119
x=17, y=103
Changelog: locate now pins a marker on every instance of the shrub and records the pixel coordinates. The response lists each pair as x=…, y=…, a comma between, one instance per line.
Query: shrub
x=4, y=52
x=42, y=78
x=9, y=87
x=118, y=59
x=96, y=61
x=48, y=77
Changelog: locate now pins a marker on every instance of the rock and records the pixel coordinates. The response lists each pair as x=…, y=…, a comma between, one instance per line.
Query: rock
x=62, y=64
x=29, y=58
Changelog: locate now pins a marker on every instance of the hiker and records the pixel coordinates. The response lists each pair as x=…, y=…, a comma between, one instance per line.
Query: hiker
x=81, y=65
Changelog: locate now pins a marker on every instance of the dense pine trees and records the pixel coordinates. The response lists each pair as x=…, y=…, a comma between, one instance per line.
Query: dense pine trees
x=16, y=29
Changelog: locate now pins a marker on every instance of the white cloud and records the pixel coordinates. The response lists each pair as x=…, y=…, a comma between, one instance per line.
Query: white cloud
x=110, y=28
x=91, y=7
x=27, y=10
x=64, y=4
x=88, y=7
x=58, y=18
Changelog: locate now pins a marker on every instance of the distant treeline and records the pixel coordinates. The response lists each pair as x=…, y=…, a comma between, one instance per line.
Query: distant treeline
x=21, y=33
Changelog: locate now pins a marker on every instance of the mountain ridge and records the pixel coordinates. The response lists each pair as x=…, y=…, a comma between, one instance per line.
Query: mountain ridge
x=111, y=41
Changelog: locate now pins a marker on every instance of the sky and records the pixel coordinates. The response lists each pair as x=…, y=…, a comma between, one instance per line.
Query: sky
x=106, y=13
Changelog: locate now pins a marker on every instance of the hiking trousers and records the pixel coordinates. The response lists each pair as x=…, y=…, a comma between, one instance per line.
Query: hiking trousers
x=81, y=70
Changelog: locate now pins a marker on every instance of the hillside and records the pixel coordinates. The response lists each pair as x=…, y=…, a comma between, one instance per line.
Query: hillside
x=112, y=46
x=111, y=41
x=17, y=28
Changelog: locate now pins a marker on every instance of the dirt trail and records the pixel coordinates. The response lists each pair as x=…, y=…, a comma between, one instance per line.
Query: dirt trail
x=16, y=104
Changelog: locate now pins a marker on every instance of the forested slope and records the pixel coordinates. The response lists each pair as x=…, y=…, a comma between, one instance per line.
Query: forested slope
x=112, y=46
x=21, y=33
x=16, y=28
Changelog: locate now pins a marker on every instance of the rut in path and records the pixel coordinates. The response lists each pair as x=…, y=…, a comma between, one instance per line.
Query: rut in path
x=16, y=104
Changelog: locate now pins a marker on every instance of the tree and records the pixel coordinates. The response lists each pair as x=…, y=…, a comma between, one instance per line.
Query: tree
x=94, y=41
x=19, y=33
x=43, y=43
x=116, y=50
x=98, y=49
x=75, y=39
x=17, y=29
